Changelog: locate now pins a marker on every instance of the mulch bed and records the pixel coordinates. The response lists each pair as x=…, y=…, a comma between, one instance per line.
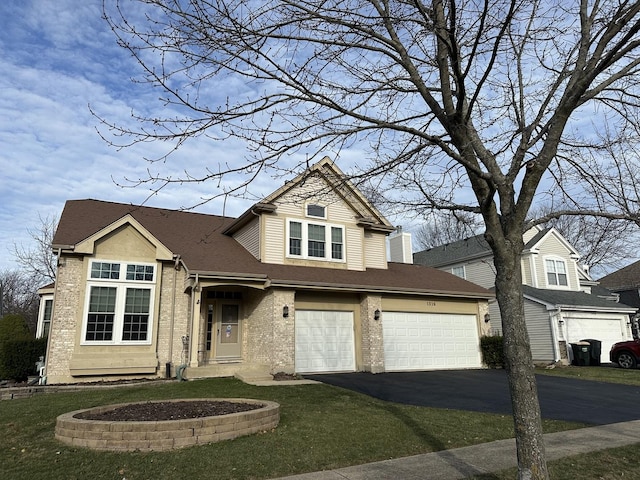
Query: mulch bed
x=159, y=411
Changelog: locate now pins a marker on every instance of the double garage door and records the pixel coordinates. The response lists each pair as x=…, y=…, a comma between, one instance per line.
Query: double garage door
x=412, y=341
x=426, y=341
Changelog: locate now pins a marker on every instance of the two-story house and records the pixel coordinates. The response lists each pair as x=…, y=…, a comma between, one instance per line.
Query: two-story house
x=300, y=283
x=563, y=304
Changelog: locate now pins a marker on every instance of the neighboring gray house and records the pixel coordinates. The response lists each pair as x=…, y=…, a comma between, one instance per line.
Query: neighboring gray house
x=563, y=304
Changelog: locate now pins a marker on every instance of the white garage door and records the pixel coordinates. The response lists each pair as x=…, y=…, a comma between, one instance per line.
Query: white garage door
x=608, y=331
x=324, y=341
x=421, y=341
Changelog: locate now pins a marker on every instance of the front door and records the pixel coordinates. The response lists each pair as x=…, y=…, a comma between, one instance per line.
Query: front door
x=228, y=329
x=223, y=333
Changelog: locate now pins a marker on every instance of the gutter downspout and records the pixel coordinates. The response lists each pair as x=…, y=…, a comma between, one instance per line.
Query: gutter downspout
x=555, y=327
x=192, y=320
x=176, y=266
x=187, y=346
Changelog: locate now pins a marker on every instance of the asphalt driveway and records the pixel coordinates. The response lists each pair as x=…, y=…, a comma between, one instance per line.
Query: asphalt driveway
x=561, y=398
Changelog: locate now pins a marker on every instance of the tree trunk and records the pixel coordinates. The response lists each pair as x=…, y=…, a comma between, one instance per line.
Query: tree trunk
x=519, y=364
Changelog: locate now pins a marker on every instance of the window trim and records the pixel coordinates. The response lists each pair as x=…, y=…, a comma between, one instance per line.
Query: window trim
x=42, y=330
x=464, y=271
x=121, y=285
x=556, y=260
x=328, y=241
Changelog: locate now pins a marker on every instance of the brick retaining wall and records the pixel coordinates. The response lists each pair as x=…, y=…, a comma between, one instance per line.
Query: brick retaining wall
x=165, y=435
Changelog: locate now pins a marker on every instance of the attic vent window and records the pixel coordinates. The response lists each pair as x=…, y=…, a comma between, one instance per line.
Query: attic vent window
x=317, y=211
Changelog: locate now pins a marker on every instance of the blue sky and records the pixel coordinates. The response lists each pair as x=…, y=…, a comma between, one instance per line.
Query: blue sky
x=58, y=59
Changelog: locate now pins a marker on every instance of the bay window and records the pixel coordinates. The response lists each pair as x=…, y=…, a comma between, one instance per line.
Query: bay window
x=119, y=303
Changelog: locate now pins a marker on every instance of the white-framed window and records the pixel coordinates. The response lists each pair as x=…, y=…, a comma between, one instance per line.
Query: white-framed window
x=315, y=210
x=556, y=272
x=44, y=316
x=311, y=240
x=459, y=271
x=119, y=303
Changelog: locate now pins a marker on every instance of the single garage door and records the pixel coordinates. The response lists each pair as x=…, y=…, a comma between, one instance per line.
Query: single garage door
x=425, y=341
x=608, y=331
x=324, y=341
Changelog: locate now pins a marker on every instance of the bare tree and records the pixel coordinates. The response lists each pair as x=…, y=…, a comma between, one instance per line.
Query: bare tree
x=438, y=229
x=19, y=297
x=38, y=260
x=463, y=106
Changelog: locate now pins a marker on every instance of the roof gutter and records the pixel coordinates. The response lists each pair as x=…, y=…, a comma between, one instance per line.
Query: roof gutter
x=596, y=309
x=372, y=288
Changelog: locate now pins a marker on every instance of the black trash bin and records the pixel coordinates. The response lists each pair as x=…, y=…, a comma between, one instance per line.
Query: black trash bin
x=581, y=354
x=596, y=350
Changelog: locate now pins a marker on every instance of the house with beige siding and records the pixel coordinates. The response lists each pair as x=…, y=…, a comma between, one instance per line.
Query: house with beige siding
x=563, y=304
x=299, y=283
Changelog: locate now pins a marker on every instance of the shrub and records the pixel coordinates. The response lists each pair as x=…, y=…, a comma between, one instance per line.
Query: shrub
x=16, y=350
x=18, y=357
x=13, y=327
x=492, y=351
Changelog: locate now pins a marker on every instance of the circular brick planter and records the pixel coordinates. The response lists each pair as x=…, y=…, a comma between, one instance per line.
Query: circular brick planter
x=166, y=434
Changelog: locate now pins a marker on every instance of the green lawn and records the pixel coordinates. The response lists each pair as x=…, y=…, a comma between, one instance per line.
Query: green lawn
x=606, y=373
x=321, y=427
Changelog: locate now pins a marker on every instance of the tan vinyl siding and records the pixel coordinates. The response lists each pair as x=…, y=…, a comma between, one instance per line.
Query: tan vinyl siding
x=291, y=206
x=314, y=190
x=354, y=252
x=375, y=250
x=249, y=237
x=274, y=231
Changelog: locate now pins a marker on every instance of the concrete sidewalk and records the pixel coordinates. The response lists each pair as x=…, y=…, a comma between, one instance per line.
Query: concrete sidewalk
x=483, y=458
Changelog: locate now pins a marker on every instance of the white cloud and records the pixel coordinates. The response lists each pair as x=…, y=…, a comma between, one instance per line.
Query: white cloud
x=58, y=58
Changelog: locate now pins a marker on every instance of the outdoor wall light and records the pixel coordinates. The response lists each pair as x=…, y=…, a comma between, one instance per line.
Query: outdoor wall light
x=376, y=314
x=487, y=318
x=285, y=311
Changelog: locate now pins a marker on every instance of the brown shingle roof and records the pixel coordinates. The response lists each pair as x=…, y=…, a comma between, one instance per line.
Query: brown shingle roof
x=203, y=248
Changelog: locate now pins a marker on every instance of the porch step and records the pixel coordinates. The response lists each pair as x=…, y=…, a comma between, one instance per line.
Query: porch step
x=254, y=375
x=240, y=370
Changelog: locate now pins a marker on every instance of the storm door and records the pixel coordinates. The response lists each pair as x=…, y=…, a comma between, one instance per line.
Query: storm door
x=228, y=330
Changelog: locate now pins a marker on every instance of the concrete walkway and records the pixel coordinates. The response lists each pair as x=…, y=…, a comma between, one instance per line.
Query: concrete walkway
x=483, y=458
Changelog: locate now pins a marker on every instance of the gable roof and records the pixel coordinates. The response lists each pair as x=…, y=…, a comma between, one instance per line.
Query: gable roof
x=574, y=299
x=476, y=247
x=626, y=278
x=205, y=250
x=336, y=181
